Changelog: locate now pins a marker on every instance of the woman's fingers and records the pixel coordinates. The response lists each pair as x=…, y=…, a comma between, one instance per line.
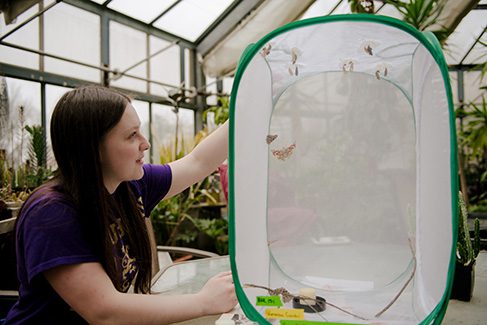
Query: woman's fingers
x=224, y=273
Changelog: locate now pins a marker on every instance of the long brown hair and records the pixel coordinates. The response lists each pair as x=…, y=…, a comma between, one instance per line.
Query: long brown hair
x=81, y=118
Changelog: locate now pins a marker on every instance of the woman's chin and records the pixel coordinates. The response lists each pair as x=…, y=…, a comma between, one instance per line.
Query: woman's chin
x=139, y=174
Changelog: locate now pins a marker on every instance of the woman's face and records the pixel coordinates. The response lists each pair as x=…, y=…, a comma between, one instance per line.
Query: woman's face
x=122, y=151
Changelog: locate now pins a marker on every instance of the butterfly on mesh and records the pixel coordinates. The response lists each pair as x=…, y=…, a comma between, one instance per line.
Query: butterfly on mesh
x=266, y=50
x=284, y=153
x=270, y=138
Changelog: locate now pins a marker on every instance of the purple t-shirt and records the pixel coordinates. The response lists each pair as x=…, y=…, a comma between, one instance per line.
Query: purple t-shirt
x=48, y=235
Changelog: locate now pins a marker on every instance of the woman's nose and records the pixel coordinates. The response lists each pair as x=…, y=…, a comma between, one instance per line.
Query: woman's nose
x=145, y=144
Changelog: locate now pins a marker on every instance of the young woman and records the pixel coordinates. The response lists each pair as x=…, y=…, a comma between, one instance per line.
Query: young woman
x=81, y=238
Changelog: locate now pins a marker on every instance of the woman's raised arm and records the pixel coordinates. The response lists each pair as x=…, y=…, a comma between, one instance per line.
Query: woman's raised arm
x=201, y=161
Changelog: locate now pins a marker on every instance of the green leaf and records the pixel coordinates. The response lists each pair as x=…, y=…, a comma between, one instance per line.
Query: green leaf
x=465, y=253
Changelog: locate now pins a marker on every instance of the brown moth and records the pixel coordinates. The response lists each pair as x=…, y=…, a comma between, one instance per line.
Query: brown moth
x=270, y=138
x=284, y=153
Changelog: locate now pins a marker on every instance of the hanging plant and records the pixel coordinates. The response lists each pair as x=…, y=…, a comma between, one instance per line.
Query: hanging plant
x=362, y=6
x=422, y=14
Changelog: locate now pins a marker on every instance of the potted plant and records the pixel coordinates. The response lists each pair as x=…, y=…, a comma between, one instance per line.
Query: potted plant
x=473, y=158
x=467, y=252
x=193, y=218
x=10, y=200
x=184, y=220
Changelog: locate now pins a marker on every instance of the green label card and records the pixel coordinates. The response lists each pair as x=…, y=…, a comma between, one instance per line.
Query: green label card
x=269, y=301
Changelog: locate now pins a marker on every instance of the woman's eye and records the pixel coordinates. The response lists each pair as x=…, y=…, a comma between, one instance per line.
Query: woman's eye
x=133, y=134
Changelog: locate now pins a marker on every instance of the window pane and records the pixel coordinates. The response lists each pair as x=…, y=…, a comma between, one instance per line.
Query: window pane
x=165, y=66
x=473, y=82
x=142, y=109
x=128, y=47
x=21, y=106
x=319, y=8
x=74, y=34
x=27, y=36
x=478, y=55
x=227, y=85
x=464, y=36
x=163, y=133
x=199, y=15
x=144, y=10
x=53, y=94
x=186, y=125
x=211, y=88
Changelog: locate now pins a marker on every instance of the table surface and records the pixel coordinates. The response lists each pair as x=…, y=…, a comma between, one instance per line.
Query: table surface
x=190, y=277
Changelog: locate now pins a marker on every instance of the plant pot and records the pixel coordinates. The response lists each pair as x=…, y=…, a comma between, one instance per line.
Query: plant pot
x=9, y=209
x=463, y=282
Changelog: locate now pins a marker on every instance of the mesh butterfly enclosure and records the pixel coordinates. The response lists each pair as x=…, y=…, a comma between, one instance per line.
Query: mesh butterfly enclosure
x=342, y=173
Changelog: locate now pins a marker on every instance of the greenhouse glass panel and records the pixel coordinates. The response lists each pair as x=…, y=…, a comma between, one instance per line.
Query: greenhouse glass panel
x=464, y=36
x=387, y=10
x=343, y=8
x=143, y=10
x=478, y=55
x=186, y=125
x=24, y=108
x=211, y=88
x=53, y=94
x=49, y=2
x=78, y=39
x=227, y=84
x=199, y=15
x=472, y=83
x=142, y=109
x=128, y=47
x=163, y=133
x=164, y=67
x=325, y=7
x=27, y=36
x=164, y=122
x=319, y=8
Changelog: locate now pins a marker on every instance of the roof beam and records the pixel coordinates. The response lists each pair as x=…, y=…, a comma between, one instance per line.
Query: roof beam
x=8, y=70
x=225, y=24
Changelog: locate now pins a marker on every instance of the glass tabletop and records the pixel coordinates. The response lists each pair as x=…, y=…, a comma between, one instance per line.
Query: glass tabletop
x=190, y=276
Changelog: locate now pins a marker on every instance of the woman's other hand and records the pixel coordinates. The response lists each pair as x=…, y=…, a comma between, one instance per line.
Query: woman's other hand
x=218, y=294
